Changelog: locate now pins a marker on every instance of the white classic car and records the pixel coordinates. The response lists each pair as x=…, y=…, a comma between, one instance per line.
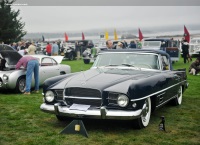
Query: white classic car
x=194, y=46
x=15, y=79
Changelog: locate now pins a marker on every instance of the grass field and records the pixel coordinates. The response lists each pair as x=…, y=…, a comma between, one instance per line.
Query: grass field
x=22, y=122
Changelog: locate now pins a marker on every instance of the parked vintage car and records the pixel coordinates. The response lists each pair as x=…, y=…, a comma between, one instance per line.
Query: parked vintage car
x=68, y=50
x=15, y=79
x=41, y=48
x=126, y=84
x=172, y=47
x=71, y=47
x=194, y=46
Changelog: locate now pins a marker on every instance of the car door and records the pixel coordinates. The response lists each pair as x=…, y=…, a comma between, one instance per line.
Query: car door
x=48, y=68
x=171, y=78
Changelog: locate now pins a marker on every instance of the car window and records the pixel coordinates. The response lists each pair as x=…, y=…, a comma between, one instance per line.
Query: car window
x=165, y=62
x=48, y=62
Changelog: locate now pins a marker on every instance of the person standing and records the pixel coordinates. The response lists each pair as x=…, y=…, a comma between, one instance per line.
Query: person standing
x=185, y=50
x=31, y=65
x=31, y=49
x=54, y=50
x=132, y=44
x=48, y=49
x=139, y=44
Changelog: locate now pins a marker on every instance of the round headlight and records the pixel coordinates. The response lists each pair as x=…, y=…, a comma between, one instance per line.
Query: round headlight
x=122, y=100
x=49, y=96
x=5, y=77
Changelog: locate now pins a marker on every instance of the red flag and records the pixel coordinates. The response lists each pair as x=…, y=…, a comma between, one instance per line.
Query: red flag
x=83, y=36
x=66, y=37
x=186, y=34
x=140, y=35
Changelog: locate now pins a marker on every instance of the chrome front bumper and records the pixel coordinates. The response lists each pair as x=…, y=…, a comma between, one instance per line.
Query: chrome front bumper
x=101, y=113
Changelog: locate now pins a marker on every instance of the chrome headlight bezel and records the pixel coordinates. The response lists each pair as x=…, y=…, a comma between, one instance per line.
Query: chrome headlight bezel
x=5, y=77
x=49, y=96
x=122, y=100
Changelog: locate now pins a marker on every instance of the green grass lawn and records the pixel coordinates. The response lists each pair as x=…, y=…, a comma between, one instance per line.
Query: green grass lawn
x=22, y=122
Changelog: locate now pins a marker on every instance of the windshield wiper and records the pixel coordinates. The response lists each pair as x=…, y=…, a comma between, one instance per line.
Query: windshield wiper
x=126, y=64
x=111, y=65
x=130, y=65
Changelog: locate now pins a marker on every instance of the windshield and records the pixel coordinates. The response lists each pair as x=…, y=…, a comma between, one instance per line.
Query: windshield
x=138, y=60
x=195, y=41
x=148, y=44
x=68, y=44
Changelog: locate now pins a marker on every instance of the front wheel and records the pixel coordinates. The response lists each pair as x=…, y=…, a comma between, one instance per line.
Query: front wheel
x=21, y=85
x=144, y=119
x=86, y=61
x=71, y=56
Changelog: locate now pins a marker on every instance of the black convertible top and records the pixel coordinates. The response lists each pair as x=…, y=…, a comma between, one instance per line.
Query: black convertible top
x=137, y=50
x=158, y=39
x=142, y=51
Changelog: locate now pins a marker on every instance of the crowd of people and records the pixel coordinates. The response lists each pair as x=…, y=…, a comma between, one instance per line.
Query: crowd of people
x=123, y=44
x=54, y=48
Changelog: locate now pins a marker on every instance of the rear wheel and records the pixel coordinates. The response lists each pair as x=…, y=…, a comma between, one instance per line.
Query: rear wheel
x=144, y=119
x=21, y=85
x=178, y=100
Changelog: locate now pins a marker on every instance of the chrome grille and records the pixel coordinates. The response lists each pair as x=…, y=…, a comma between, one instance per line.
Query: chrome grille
x=71, y=101
x=112, y=98
x=83, y=94
x=59, y=94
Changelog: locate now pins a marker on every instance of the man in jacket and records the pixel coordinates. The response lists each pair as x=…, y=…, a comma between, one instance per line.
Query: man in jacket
x=185, y=50
x=48, y=49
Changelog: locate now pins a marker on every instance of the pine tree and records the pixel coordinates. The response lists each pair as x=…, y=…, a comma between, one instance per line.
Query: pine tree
x=11, y=27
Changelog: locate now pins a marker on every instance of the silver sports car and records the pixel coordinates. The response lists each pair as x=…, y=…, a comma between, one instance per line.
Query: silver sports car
x=15, y=79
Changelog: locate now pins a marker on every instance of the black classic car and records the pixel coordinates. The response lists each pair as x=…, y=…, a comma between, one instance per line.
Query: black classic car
x=171, y=46
x=121, y=85
x=70, y=48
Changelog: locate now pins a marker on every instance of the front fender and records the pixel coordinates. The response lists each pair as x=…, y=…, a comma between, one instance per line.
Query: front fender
x=136, y=89
x=13, y=77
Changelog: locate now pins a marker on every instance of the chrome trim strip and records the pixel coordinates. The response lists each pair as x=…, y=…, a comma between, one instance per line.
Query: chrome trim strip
x=166, y=101
x=157, y=92
x=161, y=94
x=87, y=98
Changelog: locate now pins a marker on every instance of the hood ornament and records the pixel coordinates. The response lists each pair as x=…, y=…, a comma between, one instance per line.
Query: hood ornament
x=83, y=83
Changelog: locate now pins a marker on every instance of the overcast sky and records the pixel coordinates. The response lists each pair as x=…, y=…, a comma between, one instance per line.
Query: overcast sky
x=83, y=18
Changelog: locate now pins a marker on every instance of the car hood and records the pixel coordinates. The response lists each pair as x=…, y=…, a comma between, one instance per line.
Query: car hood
x=101, y=79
